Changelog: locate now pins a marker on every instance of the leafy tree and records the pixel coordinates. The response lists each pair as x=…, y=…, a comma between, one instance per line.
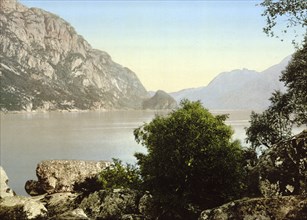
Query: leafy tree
x=295, y=78
x=271, y=126
x=117, y=176
x=293, y=12
x=275, y=123
x=192, y=162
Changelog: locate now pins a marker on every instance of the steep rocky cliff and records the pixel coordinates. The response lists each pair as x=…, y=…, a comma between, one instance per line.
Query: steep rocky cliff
x=45, y=64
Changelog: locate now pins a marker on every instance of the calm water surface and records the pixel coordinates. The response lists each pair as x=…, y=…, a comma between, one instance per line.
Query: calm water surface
x=28, y=138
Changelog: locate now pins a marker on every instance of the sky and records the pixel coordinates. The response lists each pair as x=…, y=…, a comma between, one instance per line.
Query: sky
x=174, y=45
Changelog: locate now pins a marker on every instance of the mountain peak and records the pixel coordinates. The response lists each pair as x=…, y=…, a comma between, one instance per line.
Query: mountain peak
x=46, y=65
x=238, y=89
x=11, y=5
x=161, y=100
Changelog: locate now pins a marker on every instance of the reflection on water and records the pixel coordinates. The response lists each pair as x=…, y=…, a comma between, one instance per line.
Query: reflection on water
x=28, y=138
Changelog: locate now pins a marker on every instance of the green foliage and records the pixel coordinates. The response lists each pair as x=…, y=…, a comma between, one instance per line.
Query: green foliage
x=251, y=173
x=271, y=126
x=192, y=163
x=293, y=14
x=295, y=78
x=119, y=176
x=286, y=110
x=115, y=176
x=88, y=186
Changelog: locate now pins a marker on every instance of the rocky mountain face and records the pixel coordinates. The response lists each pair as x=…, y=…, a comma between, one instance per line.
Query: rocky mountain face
x=45, y=64
x=160, y=100
x=238, y=89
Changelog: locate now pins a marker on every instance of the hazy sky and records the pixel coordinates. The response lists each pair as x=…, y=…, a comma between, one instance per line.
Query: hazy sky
x=173, y=45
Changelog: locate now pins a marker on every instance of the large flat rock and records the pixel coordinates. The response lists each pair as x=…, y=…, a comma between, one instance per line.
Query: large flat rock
x=56, y=176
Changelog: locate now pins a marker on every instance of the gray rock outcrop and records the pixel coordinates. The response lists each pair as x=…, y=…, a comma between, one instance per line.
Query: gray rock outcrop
x=5, y=190
x=286, y=207
x=18, y=207
x=76, y=214
x=46, y=65
x=283, y=168
x=56, y=176
x=111, y=204
x=103, y=204
x=161, y=100
x=60, y=203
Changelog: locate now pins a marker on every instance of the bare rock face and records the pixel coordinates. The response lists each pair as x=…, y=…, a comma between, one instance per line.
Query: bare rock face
x=5, y=190
x=18, y=207
x=56, y=176
x=116, y=204
x=76, y=214
x=161, y=100
x=286, y=207
x=46, y=65
x=58, y=204
x=283, y=168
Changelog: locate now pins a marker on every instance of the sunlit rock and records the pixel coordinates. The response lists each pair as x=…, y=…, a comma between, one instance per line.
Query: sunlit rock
x=18, y=207
x=286, y=207
x=5, y=190
x=61, y=175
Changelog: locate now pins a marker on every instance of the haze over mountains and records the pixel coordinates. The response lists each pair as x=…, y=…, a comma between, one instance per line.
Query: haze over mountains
x=46, y=65
x=238, y=89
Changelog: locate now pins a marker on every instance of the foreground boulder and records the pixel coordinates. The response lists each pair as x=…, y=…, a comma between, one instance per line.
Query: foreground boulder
x=114, y=204
x=286, y=207
x=56, y=176
x=103, y=204
x=283, y=168
x=60, y=203
x=5, y=190
x=18, y=207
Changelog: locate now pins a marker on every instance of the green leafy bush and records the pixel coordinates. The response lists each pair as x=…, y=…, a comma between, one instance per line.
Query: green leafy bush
x=119, y=176
x=115, y=176
x=192, y=163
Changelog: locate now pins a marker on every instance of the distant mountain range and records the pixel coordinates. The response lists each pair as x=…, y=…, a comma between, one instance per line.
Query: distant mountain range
x=238, y=89
x=46, y=65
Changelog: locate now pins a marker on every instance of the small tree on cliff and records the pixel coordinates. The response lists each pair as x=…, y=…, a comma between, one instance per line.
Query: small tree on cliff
x=192, y=162
x=295, y=78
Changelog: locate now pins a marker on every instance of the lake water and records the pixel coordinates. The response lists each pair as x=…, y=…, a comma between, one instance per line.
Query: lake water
x=28, y=138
